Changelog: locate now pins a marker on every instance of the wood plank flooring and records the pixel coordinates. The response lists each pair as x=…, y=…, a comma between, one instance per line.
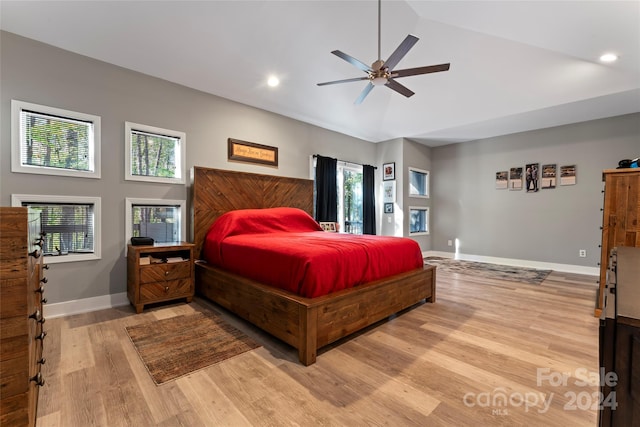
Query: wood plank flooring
x=486, y=353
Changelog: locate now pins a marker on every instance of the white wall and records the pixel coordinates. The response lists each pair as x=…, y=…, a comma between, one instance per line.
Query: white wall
x=548, y=226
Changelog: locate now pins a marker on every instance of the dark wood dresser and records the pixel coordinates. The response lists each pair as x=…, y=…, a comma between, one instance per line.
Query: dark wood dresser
x=21, y=319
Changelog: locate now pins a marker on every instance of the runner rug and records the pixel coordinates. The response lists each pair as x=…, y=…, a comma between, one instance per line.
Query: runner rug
x=490, y=271
x=177, y=346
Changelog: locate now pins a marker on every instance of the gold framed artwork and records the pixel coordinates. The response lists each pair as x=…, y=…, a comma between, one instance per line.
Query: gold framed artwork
x=250, y=152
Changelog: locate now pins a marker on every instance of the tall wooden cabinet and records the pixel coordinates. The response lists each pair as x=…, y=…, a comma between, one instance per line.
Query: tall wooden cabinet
x=21, y=320
x=620, y=220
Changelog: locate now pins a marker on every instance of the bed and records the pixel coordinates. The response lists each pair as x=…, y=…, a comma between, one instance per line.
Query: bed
x=306, y=323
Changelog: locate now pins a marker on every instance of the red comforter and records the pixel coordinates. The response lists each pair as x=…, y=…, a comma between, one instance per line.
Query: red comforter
x=286, y=248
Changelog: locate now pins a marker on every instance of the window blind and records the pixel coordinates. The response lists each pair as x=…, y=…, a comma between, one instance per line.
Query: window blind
x=69, y=227
x=55, y=142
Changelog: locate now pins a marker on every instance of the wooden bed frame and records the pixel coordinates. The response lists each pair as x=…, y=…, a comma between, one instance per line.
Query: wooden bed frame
x=307, y=324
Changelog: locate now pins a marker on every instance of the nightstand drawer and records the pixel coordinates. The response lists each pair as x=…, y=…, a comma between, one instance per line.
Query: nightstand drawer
x=158, y=291
x=162, y=272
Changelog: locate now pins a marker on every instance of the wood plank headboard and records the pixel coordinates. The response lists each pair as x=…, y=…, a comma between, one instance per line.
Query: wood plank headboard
x=216, y=191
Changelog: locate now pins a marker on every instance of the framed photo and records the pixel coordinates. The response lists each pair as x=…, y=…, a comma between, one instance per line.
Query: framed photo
x=389, y=192
x=568, y=175
x=388, y=208
x=502, y=180
x=328, y=226
x=515, y=178
x=250, y=152
x=548, y=176
x=389, y=171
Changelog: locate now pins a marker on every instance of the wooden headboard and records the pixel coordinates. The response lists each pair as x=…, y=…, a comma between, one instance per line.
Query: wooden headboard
x=216, y=191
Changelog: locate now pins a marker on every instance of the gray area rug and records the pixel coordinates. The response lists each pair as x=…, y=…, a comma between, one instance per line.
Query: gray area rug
x=490, y=271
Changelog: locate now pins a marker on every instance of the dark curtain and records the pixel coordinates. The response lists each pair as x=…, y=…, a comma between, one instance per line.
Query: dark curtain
x=326, y=189
x=368, y=200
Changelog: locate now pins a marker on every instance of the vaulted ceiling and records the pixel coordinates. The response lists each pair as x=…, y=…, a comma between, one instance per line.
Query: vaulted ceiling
x=515, y=65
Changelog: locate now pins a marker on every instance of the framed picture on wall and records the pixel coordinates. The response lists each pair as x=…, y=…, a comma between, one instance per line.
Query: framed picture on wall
x=388, y=208
x=389, y=192
x=502, y=180
x=388, y=171
x=515, y=178
x=568, y=175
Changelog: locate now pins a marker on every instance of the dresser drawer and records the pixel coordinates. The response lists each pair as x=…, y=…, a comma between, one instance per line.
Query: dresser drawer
x=165, y=272
x=158, y=291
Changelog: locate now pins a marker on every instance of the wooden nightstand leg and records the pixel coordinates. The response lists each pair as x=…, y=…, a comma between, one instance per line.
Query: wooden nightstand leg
x=139, y=308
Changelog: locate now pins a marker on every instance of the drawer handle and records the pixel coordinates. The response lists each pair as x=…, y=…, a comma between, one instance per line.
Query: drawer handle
x=166, y=289
x=41, y=336
x=44, y=280
x=166, y=273
x=40, y=289
x=42, y=361
x=45, y=267
x=37, y=378
x=35, y=254
x=44, y=300
x=36, y=316
x=41, y=320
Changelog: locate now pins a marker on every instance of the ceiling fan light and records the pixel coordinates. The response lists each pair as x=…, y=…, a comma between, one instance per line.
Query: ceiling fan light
x=379, y=81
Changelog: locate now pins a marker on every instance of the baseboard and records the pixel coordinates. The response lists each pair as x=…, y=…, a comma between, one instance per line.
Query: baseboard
x=565, y=268
x=85, y=305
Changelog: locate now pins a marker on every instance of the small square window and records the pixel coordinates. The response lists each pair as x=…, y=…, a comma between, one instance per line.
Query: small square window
x=71, y=224
x=53, y=141
x=153, y=154
x=418, y=220
x=418, y=183
x=162, y=220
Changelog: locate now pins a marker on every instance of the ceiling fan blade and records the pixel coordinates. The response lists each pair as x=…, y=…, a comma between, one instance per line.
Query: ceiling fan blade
x=403, y=90
x=364, y=93
x=356, y=79
x=353, y=61
x=420, y=70
x=401, y=51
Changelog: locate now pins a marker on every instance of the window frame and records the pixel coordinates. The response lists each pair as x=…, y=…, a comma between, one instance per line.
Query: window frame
x=18, y=199
x=180, y=153
x=17, y=139
x=419, y=208
x=426, y=179
x=131, y=201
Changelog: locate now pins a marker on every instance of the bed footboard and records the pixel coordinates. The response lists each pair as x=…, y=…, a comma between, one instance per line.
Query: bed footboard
x=308, y=324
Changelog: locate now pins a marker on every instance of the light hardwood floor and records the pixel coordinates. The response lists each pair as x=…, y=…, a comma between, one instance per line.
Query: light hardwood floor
x=470, y=359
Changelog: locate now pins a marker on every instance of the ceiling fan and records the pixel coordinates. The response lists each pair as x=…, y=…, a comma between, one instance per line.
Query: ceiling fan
x=383, y=73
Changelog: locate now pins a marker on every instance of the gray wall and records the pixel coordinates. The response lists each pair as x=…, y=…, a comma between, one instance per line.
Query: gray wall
x=548, y=226
x=418, y=156
x=34, y=72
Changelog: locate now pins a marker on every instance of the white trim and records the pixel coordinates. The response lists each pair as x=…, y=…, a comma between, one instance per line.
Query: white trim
x=564, y=268
x=85, y=305
x=18, y=199
x=181, y=154
x=128, y=205
x=16, y=141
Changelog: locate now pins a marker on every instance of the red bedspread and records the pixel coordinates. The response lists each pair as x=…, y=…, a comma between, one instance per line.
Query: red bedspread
x=285, y=248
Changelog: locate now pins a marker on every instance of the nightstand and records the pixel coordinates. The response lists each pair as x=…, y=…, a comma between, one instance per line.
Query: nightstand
x=161, y=272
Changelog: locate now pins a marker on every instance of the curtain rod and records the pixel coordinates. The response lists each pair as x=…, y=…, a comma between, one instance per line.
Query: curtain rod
x=344, y=161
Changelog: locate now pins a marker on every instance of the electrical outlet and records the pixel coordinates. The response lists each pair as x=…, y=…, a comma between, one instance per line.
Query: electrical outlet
x=450, y=242
x=582, y=253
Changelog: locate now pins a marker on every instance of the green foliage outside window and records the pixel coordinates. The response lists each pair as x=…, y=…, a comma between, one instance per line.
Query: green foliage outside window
x=153, y=155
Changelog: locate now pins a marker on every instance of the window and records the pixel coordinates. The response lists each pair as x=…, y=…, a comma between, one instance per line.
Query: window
x=163, y=220
x=418, y=220
x=349, y=197
x=154, y=154
x=349, y=183
x=72, y=224
x=52, y=141
x=418, y=183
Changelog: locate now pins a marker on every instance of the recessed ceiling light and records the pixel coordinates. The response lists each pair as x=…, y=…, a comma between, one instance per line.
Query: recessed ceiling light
x=273, y=81
x=609, y=57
